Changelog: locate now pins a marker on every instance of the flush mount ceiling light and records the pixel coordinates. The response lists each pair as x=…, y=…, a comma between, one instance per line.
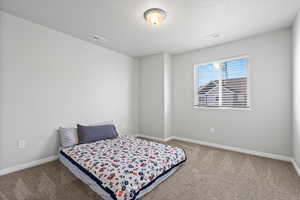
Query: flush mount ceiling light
x=155, y=16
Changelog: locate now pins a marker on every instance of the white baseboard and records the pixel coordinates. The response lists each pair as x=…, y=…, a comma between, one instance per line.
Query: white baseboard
x=229, y=148
x=27, y=165
x=219, y=146
x=296, y=166
x=236, y=149
x=153, y=138
x=241, y=150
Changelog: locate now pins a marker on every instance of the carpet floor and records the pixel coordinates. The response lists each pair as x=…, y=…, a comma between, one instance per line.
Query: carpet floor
x=208, y=174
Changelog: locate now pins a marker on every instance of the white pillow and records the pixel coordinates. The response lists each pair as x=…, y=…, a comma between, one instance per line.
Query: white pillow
x=68, y=136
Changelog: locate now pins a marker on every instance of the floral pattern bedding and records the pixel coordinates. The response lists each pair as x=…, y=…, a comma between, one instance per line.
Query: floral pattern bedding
x=125, y=165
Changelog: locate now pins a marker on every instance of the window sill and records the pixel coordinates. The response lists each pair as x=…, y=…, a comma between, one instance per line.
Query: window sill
x=222, y=108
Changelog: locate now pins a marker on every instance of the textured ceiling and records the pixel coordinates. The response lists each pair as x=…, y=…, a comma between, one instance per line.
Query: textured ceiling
x=190, y=23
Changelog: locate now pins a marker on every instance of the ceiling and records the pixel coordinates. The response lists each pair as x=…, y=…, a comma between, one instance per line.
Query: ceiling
x=190, y=24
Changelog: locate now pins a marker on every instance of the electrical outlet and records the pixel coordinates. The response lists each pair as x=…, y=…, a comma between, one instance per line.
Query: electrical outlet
x=22, y=144
x=212, y=130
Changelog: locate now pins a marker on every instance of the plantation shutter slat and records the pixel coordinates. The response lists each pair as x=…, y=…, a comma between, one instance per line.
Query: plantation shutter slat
x=223, y=84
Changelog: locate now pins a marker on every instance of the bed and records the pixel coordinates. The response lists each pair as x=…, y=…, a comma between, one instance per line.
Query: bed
x=123, y=168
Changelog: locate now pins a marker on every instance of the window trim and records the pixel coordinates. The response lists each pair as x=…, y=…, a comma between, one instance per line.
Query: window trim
x=195, y=84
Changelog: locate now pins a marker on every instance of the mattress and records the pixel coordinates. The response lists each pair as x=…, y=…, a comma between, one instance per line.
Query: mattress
x=124, y=168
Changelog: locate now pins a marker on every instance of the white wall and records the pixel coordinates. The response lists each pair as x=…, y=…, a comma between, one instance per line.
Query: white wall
x=296, y=89
x=155, y=95
x=1, y=92
x=267, y=127
x=167, y=95
x=49, y=79
x=151, y=93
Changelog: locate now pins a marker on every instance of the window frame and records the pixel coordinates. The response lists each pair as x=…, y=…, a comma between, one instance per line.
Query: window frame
x=196, y=78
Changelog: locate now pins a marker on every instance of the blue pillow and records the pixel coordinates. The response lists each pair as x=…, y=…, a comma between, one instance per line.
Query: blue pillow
x=87, y=134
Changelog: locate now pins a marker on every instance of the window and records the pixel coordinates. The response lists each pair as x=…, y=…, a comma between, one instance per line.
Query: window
x=222, y=84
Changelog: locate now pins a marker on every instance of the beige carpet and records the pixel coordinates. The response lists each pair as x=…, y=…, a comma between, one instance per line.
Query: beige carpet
x=209, y=174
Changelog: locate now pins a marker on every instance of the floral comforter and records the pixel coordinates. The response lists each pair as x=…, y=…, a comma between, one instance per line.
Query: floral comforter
x=125, y=165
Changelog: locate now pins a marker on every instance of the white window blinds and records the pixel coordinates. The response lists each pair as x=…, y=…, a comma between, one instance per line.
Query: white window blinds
x=222, y=84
